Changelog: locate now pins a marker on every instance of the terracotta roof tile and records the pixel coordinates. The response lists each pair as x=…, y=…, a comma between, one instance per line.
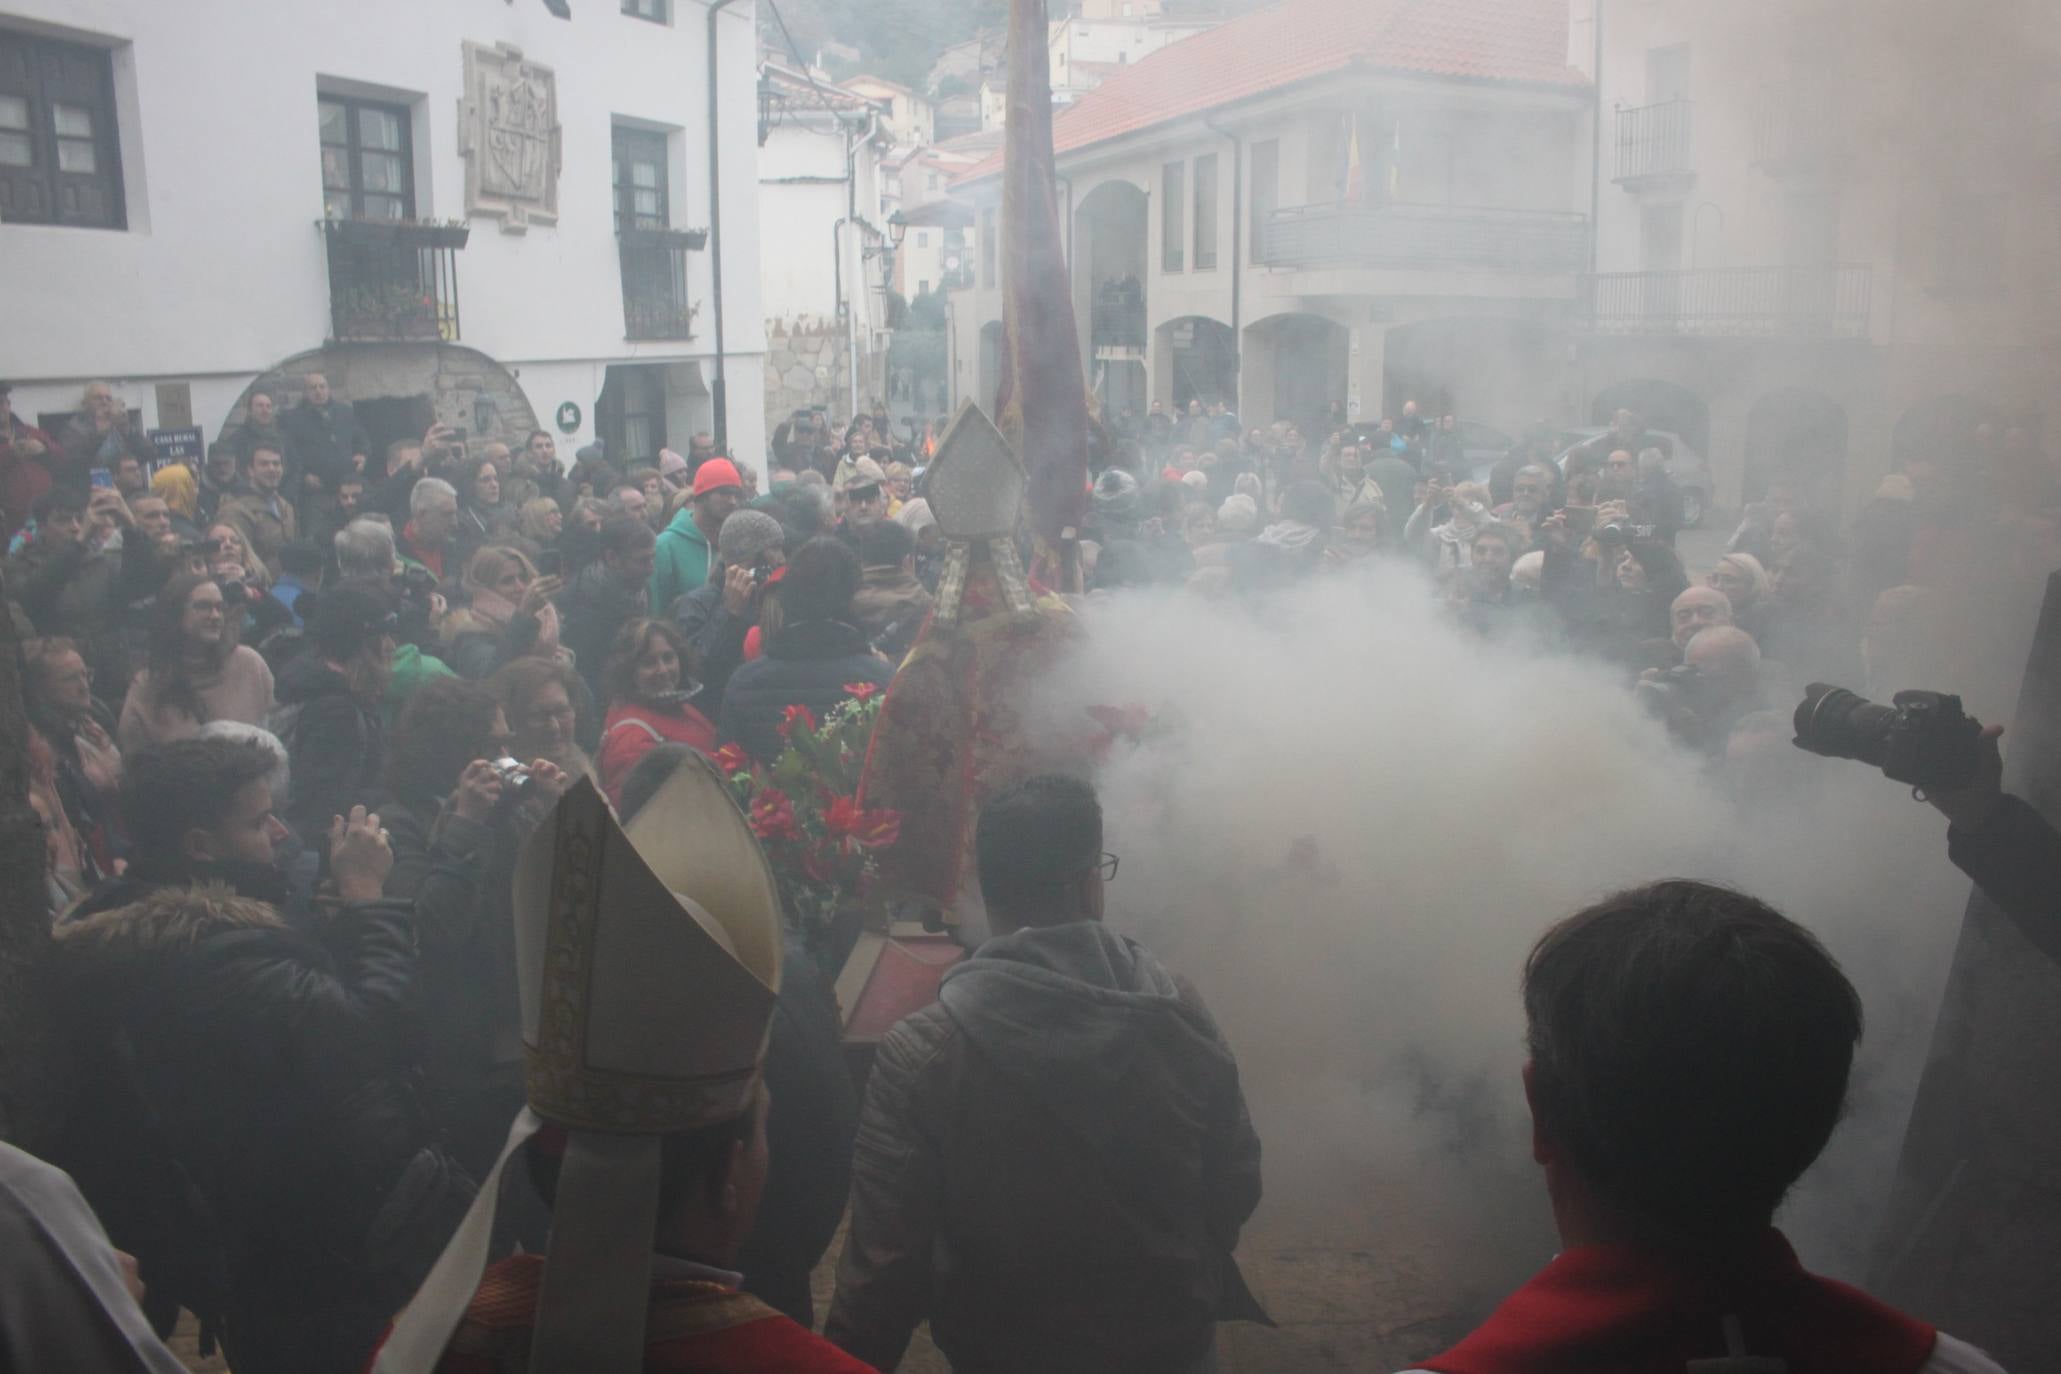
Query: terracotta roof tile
x=1297, y=40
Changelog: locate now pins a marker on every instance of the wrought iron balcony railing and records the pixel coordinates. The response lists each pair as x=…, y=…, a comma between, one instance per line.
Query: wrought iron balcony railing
x=654, y=266
x=1826, y=302
x=393, y=281
x=1431, y=236
x=1656, y=142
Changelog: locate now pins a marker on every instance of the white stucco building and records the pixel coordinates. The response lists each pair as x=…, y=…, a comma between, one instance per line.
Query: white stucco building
x=1320, y=204
x=823, y=243
x=1824, y=230
x=164, y=167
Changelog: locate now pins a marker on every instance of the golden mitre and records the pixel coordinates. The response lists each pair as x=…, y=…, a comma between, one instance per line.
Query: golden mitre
x=975, y=488
x=649, y=963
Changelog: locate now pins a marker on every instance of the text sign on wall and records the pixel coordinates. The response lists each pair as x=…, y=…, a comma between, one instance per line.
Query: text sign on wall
x=182, y=445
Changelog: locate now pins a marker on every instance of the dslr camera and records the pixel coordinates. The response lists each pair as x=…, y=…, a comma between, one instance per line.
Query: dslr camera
x=1923, y=739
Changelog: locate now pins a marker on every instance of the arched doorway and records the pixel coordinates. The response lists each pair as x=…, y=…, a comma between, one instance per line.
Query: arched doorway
x=1109, y=272
x=990, y=377
x=1500, y=372
x=1797, y=436
x=1298, y=366
x=399, y=390
x=1940, y=427
x=1663, y=405
x=1196, y=359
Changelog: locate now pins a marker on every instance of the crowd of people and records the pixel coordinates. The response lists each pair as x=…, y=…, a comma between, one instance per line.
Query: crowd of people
x=295, y=711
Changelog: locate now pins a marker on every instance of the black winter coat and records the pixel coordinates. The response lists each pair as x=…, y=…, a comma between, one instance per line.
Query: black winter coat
x=590, y=611
x=806, y=664
x=236, y=1070
x=335, y=745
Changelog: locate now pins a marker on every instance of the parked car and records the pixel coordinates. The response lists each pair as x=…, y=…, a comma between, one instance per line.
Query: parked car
x=1684, y=464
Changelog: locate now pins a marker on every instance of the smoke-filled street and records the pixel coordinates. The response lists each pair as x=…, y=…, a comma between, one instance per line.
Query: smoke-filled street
x=1111, y=686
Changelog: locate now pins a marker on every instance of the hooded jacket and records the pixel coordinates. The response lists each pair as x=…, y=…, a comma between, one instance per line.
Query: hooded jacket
x=335, y=745
x=807, y=664
x=1053, y=1165
x=257, y=1076
x=683, y=562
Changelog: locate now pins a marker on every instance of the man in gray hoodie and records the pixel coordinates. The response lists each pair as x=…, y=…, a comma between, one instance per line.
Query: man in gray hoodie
x=1054, y=1161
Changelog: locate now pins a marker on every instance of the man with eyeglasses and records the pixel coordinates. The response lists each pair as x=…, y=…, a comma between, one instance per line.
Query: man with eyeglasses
x=1054, y=1161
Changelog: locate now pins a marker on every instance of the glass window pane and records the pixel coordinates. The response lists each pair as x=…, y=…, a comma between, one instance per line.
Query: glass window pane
x=15, y=151
x=336, y=169
x=335, y=122
x=383, y=207
x=647, y=202
x=337, y=205
x=75, y=155
x=71, y=121
x=379, y=129
x=644, y=174
x=14, y=112
x=382, y=171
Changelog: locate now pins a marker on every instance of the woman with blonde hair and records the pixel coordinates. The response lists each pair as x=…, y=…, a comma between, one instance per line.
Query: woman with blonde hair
x=1747, y=586
x=508, y=614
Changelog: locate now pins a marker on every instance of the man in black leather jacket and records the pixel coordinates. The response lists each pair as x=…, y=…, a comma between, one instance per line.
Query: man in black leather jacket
x=246, y=1121
x=2008, y=848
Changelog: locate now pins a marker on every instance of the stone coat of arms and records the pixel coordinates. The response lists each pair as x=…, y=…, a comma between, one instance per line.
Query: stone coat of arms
x=508, y=135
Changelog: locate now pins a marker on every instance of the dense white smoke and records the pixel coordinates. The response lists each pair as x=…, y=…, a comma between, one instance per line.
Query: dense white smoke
x=1350, y=820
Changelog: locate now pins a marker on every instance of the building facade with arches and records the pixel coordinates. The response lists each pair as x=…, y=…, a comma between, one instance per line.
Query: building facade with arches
x=1314, y=209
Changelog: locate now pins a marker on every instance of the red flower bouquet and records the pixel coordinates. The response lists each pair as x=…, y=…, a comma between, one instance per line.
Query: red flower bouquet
x=805, y=809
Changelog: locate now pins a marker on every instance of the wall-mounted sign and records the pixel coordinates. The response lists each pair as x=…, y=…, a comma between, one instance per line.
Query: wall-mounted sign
x=181, y=445
x=568, y=417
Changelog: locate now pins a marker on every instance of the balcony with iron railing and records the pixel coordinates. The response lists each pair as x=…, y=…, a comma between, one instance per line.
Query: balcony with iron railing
x=656, y=304
x=1822, y=302
x=1655, y=144
x=393, y=281
x=1425, y=236
x=1117, y=319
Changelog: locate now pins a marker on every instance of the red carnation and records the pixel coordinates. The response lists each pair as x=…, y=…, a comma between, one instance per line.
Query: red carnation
x=861, y=692
x=844, y=818
x=772, y=816
x=797, y=715
x=732, y=759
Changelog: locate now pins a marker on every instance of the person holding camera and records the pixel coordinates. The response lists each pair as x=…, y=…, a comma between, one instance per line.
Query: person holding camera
x=75, y=579
x=715, y=617
x=457, y=807
x=1717, y=685
x=196, y=670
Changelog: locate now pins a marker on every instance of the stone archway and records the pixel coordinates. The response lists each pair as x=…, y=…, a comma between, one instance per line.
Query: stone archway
x=1798, y=436
x=399, y=390
x=1297, y=368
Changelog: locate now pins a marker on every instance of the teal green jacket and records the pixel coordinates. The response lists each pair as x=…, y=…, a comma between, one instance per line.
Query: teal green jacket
x=683, y=559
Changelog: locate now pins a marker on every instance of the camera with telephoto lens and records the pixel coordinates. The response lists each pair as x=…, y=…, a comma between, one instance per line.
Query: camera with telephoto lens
x=514, y=776
x=1616, y=534
x=1923, y=739
x=239, y=593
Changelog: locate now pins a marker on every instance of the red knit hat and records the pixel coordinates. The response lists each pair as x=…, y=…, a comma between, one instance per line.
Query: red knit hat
x=714, y=475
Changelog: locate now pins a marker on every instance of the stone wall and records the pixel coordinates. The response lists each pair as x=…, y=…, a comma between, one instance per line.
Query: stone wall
x=808, y=363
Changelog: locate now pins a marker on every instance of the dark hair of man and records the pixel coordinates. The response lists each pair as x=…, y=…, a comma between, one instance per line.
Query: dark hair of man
x=687, y=1160
x=1033, y=839
x=273, y=449
x=167, y=655
x=821, y=579
x=63, y=498
x=189, y=784
x=531, y=437
x=1665, y=575
x=624, y=533
x=619, y=676
x=884, y=544
x=1690, y=1049
x=447, y=723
